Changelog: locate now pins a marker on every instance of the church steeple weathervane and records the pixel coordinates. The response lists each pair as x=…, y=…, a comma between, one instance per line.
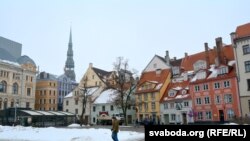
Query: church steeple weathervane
x=69, y=65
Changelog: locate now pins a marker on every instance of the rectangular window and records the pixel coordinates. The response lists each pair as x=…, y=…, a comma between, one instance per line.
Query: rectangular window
x=67, y=102
x=111, y=107
x=216, y=85
x=145, y=97
x=76, y=111
x=93, y=108
x=200, y=115
x=103, y=108
x=146, y=106
x=196, y=88
x=230, y=114
x=246, y=49
x=153, y=105
x=186, y=104
x=217, y=99
x=76, y=102
x=166, y=106
x=140, y=108
x=27, y=104
x=226, y=84
x=49, y=101
x=198, y=101
x=248, y=105
x=171, y=105
x=207, y=100
x=173, y=117
x=205, y=87
x=208, y=115
x=28, y=91
x=228, y=98
x=247, y=66
x=153, y=96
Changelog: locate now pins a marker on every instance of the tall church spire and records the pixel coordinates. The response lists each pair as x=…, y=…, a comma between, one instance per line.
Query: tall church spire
x=69, y=65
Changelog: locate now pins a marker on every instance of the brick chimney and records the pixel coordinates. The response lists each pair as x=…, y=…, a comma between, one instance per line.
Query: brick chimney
x=219, y=53
x=167, y=58
x=207, y=54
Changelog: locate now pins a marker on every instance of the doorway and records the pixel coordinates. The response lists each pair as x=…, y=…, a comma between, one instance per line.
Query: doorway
x=221, y=115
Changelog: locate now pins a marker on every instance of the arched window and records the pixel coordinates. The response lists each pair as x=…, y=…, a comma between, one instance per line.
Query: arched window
x=5, y=103
x=12, y=103
x=3, y=86
x=15, y=88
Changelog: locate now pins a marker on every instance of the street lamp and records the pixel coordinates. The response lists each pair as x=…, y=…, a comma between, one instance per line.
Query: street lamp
x=15, y=111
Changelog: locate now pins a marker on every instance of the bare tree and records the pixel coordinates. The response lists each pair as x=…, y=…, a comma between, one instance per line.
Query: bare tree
x=84, y=96
x=125, y=85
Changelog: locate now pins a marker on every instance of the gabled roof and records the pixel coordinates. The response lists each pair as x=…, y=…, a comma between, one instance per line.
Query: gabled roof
x=106, y=96
x=178, y=87
x=101, y=73
x=188, y=61
x=243, y=31
x=152, y=77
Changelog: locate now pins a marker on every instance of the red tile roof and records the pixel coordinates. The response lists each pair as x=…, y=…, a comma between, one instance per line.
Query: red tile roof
x=187, y=62
x=243, y=30
x=152, y=77
x=182, y=85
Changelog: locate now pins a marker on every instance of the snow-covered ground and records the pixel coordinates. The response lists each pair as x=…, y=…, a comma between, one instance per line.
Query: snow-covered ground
x=20, y=133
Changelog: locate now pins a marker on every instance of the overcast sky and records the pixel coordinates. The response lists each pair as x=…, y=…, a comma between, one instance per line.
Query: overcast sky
x=103, y=30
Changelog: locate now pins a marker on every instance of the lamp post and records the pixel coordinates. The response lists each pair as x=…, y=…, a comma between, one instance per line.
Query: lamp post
x=15, y=111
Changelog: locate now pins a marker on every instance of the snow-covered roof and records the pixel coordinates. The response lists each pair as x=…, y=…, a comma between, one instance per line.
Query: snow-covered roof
x=194, y=78
x=181, y=96
x=10, y=63
x=69, y=95
x=33, y=113
x=214, y=72
x=158, y=86
x=231, y=63
x=177, y=88
x=45, y=113
x=92, y=90
x=106, y=96
x=153, y=82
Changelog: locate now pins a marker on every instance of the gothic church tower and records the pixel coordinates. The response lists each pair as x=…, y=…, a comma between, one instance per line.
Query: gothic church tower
x=69, y=65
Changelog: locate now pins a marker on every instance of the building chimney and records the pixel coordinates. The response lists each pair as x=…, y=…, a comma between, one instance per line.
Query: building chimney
x=207, y=54
x=167, y=58
x=186, y=54
x=233, y=36
x=219, y=49
x=90, y=65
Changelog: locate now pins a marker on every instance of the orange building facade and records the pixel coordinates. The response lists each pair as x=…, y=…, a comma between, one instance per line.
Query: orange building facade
x=46, y=93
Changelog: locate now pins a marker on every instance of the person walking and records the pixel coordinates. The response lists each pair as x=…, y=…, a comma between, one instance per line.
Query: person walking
x=115, y=128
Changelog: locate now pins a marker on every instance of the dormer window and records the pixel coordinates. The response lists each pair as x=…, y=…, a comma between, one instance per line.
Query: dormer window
x=223, y=70
x=175, y=70
x=171, y=93
x=184, y=92
x=200, y=64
